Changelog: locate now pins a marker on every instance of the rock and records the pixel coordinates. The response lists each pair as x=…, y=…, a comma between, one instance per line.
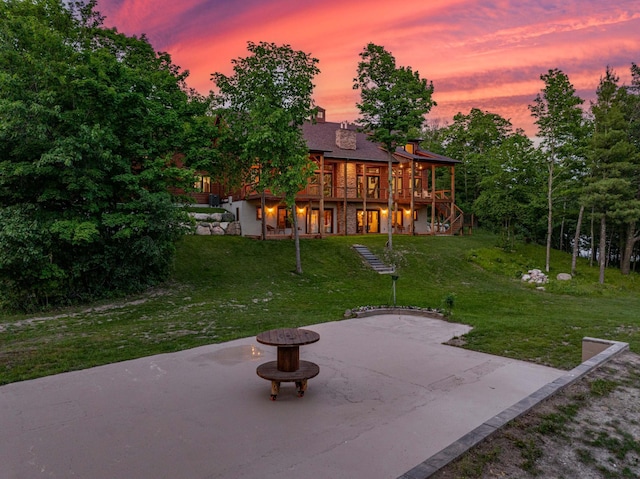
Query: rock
x=203, y=229
x=217, y=230
x=201, y=216
x=227, y=217
x=234, y=229
x=535, y=276
x=216, y=217
x=564, y=277
x=224, y=225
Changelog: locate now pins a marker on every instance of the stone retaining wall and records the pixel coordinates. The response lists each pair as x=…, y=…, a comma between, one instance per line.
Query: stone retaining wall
x=216, y=224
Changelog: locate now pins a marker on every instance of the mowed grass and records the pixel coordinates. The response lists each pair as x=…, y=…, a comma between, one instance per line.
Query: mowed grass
x=224, y=288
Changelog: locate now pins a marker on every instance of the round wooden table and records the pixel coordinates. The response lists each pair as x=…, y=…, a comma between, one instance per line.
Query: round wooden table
x=288, y=367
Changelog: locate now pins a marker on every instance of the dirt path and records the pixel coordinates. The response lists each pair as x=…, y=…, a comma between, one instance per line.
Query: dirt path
x=589, y=430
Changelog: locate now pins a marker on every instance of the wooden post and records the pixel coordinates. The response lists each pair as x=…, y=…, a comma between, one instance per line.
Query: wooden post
x=344, y=212
x=411, y=192
x=365, y=190
x=321, y=213
x=433, y=199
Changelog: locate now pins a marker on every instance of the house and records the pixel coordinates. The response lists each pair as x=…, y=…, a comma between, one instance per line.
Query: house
x=348, y=193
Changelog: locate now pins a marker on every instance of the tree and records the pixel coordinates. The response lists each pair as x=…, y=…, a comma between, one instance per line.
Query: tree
x=264, y=103
x=509, y=190
x=393, y=100
x=612, y=191
x=470, y=139
x=559, y=118
x=630, y=212
x=89, y=122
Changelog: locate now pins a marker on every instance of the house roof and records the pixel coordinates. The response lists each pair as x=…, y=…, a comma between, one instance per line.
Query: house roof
x=321, y=137
x=426, y=156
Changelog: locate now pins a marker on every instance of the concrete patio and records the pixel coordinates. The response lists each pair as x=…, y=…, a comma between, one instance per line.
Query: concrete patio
x=389, y=395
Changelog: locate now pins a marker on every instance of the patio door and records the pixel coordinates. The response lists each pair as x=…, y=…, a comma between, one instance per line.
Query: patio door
x=313, y=221
x=372, y=223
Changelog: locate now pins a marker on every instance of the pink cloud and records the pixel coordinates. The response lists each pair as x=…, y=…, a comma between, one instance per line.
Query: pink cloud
x=485, y=54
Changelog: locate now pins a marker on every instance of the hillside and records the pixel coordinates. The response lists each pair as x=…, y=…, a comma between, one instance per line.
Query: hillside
x=229, y=287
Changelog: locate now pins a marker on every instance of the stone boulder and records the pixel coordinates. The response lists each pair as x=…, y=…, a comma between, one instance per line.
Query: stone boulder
x=203, y=229
x=234, y=229
x=535, y=276
x=564, y=277
x=201, y=216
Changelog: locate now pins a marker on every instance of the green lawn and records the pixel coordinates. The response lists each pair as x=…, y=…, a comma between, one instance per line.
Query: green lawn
x=224, y=288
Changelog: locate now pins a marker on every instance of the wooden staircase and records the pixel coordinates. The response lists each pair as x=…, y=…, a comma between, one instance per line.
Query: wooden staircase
x=455, y=217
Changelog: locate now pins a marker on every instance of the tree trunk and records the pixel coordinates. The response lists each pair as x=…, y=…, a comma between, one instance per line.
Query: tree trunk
x=390, y=205
x=564, y=210
x=627, y=253
x=602, y=252
x=576, y=243
x=263, y=208
x=296, y=237
x=592, y=253
x=549, y=215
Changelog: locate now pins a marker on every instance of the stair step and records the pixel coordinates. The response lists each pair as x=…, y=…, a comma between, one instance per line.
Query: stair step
x=372, y=260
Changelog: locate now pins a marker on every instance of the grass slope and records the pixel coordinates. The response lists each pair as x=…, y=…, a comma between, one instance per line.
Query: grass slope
x=224, y=288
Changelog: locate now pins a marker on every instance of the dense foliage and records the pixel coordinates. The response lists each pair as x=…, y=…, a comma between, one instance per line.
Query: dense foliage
x=585, y=170
x=89, y=122
x=499, y=180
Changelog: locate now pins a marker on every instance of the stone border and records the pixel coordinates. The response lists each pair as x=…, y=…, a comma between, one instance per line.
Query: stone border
x=405, y=311
x=426, y=469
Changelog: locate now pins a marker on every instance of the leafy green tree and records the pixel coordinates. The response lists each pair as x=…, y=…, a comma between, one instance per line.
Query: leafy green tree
x=559, y=118
x=89, y=122
x=264, y=104
x=509, y=190
x=470, y=139
x=393, y=101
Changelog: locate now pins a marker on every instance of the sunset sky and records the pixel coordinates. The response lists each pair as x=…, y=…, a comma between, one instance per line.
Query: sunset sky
x=486, y=54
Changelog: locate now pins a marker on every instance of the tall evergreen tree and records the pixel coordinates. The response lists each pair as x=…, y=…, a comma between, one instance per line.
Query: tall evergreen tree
x=612, y=192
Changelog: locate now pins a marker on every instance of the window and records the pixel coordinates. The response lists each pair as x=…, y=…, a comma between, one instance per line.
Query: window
x=313, y=221
x=328, y=184
x=398, y=184
x=372, y=223
x=397, y=218
x=314, y=184
x=202, y=184
x=373, y=187
x=283, y=218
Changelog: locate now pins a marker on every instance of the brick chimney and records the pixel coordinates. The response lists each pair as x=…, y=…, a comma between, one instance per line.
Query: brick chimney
x=345, y=138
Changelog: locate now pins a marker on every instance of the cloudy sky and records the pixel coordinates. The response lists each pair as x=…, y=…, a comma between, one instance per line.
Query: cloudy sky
x=486, y=54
